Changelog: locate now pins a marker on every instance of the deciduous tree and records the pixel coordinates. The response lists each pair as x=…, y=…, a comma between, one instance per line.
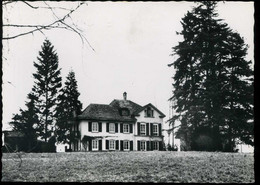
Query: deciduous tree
x=26, y=122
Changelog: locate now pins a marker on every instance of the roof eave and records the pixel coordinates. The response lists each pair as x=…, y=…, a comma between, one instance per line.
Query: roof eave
x=106, y=119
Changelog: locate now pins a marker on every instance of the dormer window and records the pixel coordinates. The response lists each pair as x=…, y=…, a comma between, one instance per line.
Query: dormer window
x=124, y=112
x=148, y=112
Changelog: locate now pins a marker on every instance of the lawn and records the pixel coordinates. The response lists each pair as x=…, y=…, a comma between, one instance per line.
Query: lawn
x=153, y=166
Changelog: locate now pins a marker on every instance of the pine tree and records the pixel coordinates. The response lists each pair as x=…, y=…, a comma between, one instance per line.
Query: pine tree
x=68, y=105
x=47, y=83
x=26, y=122
x=208, y=70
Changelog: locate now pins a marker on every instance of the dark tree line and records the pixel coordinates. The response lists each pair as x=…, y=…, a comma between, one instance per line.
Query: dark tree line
x=213, y=83
x=50, y=106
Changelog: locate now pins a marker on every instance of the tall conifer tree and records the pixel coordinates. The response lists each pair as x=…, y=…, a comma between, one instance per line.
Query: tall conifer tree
x=210, y=67
x=47, y=83
x=68, y=106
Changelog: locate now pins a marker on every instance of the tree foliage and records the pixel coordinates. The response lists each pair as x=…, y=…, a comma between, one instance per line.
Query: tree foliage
x=68, y=106
x=213, y=82
x=26, y=121
x=46, y=85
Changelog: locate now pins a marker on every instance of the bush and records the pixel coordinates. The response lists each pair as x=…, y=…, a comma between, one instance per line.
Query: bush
x=170, y=148
x=204, y=143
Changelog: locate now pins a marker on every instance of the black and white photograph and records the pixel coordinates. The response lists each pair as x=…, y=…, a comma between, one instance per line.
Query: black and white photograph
x=128, y=91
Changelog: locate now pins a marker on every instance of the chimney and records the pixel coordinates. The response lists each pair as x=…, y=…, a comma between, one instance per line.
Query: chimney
x=125, y=95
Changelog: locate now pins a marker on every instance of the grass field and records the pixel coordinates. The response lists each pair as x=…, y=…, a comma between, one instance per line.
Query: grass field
x=160, y=166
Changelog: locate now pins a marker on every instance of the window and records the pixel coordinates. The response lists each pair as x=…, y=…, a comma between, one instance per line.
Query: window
x=149, y=112
x=95, y=127
x=142, y=145
x=126, y=145
x=155, y=145
x=124, y=112
x=94, y=144
x=111, y=144
x=111, y=127
x=126, y=128
x=142, y=129
x=155, y=129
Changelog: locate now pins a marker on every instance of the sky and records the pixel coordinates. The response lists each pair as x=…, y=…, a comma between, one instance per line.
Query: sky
x=132, y=44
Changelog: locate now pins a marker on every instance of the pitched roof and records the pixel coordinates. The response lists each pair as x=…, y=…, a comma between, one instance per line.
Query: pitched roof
x=131, y=106
x=149, y=105
x=111, y=112
x=103, y=112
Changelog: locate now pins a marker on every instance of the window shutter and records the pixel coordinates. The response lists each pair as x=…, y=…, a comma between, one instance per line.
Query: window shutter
x=151, y=128
x=117, y=145
x=100, y=126
x=131, y=128
x=90, y=145
x=147, y=129
x=160, y=145
x=121, y=127
x=107, y=144
x=160, y=129
x=151, y=145
x=147, y=145
x=90, y=126
x=107, y=127
x=131, y=145
x=116, y=129
x=138, y=145
x=121, y=146
x=138, y=128
x=100, y=145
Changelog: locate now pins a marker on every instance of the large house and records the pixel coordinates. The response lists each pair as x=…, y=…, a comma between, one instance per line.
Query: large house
x=122, y=125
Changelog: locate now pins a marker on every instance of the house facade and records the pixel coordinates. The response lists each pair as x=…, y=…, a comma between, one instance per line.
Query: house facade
x=121, y=125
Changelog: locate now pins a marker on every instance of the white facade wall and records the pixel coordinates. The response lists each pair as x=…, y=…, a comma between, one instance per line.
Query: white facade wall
x=84, y=130
x=243, y=148
x=143, y=119
x=61, y=147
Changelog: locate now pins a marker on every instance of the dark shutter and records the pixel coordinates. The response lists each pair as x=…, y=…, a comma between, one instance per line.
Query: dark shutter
x=147, y=145
x=100, y=126
x=138, y=128
x=121, y=127
x=100, y=145
x=90, y=126
x=121, y=146
x=147, y=129
x=138, y=145
x=107, y=144
x=160, y=129
x=90, y=145
x=117, y=145
x=131, y=145
x=151, y=145
x=151, y=128
x=160, y=145
x=107, y=127
x=116, y=127
x=131, y=128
